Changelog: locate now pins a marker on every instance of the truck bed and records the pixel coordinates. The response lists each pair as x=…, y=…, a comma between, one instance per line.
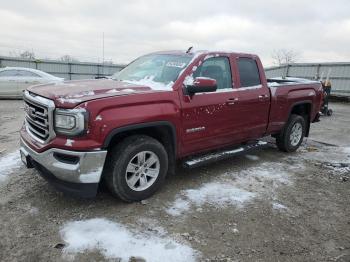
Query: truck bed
x=288, y=92
x=279, y=81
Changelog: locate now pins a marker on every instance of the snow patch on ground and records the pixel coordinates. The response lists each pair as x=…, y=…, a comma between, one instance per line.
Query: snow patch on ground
x=8, y=163
x=178, y=207
x=115, y=241
x=326, y=154
x=218, y=194
x=346, y=150
x=33, y=211
x=235, y=230
x=152, y=226
x=336, y=159
x=252, y=157
x=214, y=194
x=263, y=178
x=234, y=188
x=338, y=168
x=279, y=206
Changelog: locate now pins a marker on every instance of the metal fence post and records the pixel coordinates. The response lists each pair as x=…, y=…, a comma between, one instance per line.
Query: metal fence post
x=98, y=70
x=70, y=71
x=317, y=76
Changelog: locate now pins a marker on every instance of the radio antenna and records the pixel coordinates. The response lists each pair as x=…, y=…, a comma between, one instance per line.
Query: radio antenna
x=189, y=49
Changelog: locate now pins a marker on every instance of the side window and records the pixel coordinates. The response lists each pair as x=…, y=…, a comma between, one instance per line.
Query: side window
x=248, y=72
x=27, y=73
x=217, y=68
x=8, y=73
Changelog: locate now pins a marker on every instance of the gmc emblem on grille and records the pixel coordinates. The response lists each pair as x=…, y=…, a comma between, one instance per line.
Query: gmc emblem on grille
x=30, y=111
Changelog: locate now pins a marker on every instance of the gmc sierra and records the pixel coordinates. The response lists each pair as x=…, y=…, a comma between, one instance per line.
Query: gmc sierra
x=129, y=131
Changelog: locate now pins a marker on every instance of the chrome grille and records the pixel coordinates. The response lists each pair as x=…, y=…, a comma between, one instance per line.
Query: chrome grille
x=38, y=117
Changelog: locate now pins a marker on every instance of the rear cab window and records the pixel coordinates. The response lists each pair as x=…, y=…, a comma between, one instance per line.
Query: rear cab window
x=248, y=72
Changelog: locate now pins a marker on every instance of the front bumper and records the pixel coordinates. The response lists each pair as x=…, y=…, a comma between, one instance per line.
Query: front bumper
x=74, y=172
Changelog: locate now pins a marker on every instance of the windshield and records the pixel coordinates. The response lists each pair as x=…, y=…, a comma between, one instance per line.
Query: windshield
x=156, y=71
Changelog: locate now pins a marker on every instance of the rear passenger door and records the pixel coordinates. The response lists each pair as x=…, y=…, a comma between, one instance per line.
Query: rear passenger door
x=253, y=96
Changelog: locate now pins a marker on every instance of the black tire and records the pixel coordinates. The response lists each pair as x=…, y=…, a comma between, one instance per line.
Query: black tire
x=329, y=112
x=283, y=140
x=118, y=160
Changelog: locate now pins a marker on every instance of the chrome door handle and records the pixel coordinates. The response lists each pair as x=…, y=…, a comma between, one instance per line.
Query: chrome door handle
x=232, y=101
x=261, y=97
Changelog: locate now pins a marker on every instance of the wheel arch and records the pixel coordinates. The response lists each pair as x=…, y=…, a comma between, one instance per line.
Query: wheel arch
x=163, y=131
x=304, y=109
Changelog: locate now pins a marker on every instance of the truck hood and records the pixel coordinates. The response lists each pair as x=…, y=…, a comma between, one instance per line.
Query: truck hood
x=69, y=94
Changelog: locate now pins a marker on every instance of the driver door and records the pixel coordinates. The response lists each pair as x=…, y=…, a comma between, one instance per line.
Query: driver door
x=208, y=119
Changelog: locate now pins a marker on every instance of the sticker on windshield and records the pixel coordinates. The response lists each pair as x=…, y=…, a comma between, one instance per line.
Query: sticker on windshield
x=176, y=64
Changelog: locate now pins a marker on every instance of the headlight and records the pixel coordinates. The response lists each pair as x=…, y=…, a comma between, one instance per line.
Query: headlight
x=71, y=122
x=65, y=121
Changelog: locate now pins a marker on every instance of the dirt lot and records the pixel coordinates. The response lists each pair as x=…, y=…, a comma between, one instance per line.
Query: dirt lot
x=267, y=206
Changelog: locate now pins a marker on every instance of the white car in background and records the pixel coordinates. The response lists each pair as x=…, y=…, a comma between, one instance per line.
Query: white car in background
x=13, y=80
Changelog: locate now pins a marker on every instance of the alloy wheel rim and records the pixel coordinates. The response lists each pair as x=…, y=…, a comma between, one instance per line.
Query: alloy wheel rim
x=296, y=134
x=142, y=170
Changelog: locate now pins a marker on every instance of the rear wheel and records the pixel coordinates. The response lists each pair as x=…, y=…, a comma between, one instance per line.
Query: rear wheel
x=136, y=168
x=292, y=135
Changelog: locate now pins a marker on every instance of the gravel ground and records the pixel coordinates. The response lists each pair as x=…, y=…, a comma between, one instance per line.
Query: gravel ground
x=266, y=206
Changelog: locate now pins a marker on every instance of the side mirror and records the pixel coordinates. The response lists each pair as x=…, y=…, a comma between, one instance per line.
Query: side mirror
x=202, y=84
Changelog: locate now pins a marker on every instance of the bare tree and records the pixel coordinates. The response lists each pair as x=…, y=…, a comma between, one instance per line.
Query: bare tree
x=14, y=53
x=27, y=54
x=68, y=59
x=284, y=56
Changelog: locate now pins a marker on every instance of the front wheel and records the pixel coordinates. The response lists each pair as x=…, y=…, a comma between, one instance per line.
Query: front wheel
x=136, y=168
x=292, y=135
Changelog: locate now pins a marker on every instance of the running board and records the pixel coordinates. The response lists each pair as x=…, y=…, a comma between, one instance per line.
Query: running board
x=202, y=160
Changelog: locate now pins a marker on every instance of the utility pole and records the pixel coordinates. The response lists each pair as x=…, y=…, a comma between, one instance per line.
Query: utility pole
x=103, y=47
x=103, y=52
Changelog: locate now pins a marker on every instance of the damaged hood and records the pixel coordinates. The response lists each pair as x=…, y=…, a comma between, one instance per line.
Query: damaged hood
x=69, y=94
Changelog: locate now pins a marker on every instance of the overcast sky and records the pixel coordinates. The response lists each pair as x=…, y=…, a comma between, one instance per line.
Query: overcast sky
x=317, y=30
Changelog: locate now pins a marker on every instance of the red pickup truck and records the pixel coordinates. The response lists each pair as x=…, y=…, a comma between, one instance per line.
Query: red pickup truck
x=130, y=130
